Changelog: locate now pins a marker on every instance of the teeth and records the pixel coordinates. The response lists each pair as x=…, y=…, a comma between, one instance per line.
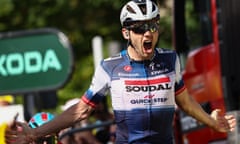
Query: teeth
x=148, y=41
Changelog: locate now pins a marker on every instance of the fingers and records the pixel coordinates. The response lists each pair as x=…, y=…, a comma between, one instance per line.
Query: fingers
x=10, y=135
x=20, y=134
x=229, y=117
x=13, y=132
x=226, y=123
x=12, y=125
x=231, y=122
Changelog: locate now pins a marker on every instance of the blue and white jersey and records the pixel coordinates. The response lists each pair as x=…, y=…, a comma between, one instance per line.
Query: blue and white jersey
x=142, y=94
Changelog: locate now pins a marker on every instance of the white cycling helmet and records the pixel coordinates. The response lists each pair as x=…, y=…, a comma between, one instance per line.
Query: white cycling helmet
x=138, y=10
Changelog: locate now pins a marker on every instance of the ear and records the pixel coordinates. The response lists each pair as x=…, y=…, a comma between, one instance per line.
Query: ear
x=125, y=33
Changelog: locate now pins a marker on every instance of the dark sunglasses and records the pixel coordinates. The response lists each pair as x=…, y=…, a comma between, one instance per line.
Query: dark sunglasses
x=141, y=28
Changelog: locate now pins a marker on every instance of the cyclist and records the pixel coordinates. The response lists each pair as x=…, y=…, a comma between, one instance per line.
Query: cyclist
x=145, y=82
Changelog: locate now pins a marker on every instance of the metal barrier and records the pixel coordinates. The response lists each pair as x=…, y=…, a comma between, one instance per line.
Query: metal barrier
x=72, y=131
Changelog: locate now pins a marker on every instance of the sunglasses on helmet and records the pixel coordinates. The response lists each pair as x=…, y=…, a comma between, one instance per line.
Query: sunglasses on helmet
x=141, y=28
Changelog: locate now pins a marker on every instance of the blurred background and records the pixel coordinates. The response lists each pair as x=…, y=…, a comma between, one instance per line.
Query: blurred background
x=80, y=21
x=204, y=33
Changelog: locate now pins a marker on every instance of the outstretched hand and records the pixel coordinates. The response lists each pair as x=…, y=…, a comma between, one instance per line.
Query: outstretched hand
x=223, y=123
x=18, y=133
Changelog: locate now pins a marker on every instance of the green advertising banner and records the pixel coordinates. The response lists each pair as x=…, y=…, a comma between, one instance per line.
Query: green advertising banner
x=34, y=60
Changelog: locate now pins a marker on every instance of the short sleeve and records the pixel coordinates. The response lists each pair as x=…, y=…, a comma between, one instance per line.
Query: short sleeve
x=179, y=83
x=98, y=87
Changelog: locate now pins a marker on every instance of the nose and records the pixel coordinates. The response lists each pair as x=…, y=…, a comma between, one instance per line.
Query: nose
x=148, y=33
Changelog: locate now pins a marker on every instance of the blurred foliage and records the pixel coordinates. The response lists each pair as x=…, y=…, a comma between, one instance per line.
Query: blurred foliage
x=80, y=21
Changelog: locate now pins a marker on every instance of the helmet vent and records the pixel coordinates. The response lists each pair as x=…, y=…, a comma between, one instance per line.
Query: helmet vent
x=143, y=8
x=153, y=7
x=35, y=124
x=130, y=9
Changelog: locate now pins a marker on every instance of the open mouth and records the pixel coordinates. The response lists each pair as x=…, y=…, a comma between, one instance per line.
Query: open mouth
x=147, y=45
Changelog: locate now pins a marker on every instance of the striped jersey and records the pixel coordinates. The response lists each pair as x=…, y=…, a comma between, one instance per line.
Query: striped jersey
x=142, y=95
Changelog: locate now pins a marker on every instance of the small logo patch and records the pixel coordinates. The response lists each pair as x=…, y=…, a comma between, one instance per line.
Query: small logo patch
x=127, y=68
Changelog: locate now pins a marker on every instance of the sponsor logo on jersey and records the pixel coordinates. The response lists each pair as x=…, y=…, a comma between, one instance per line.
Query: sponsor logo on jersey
x=159, y=71
x=148, y=101
x=148, y=88
x=127, y=68
x=129, y=74
x=148, y=85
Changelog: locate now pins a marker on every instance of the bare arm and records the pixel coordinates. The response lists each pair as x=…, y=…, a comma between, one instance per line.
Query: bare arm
x=215, y=120
x=69, y=117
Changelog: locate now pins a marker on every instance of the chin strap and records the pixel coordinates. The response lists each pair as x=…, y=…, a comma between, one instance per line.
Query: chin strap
x=129, y=42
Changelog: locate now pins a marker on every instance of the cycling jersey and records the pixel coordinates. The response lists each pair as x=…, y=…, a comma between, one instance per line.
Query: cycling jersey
x=142, y=94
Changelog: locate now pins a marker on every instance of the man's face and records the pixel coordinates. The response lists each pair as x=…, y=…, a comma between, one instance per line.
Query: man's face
x=144, y=37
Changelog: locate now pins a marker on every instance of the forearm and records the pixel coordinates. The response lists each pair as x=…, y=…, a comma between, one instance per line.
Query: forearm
x=66, y=119
x=192, y=108
x=199, y=114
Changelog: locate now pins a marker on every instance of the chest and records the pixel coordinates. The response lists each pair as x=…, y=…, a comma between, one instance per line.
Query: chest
x=142, y=85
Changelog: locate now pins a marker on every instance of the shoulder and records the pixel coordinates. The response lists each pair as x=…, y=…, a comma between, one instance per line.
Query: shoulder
x=114, y=61
x=165, y=51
